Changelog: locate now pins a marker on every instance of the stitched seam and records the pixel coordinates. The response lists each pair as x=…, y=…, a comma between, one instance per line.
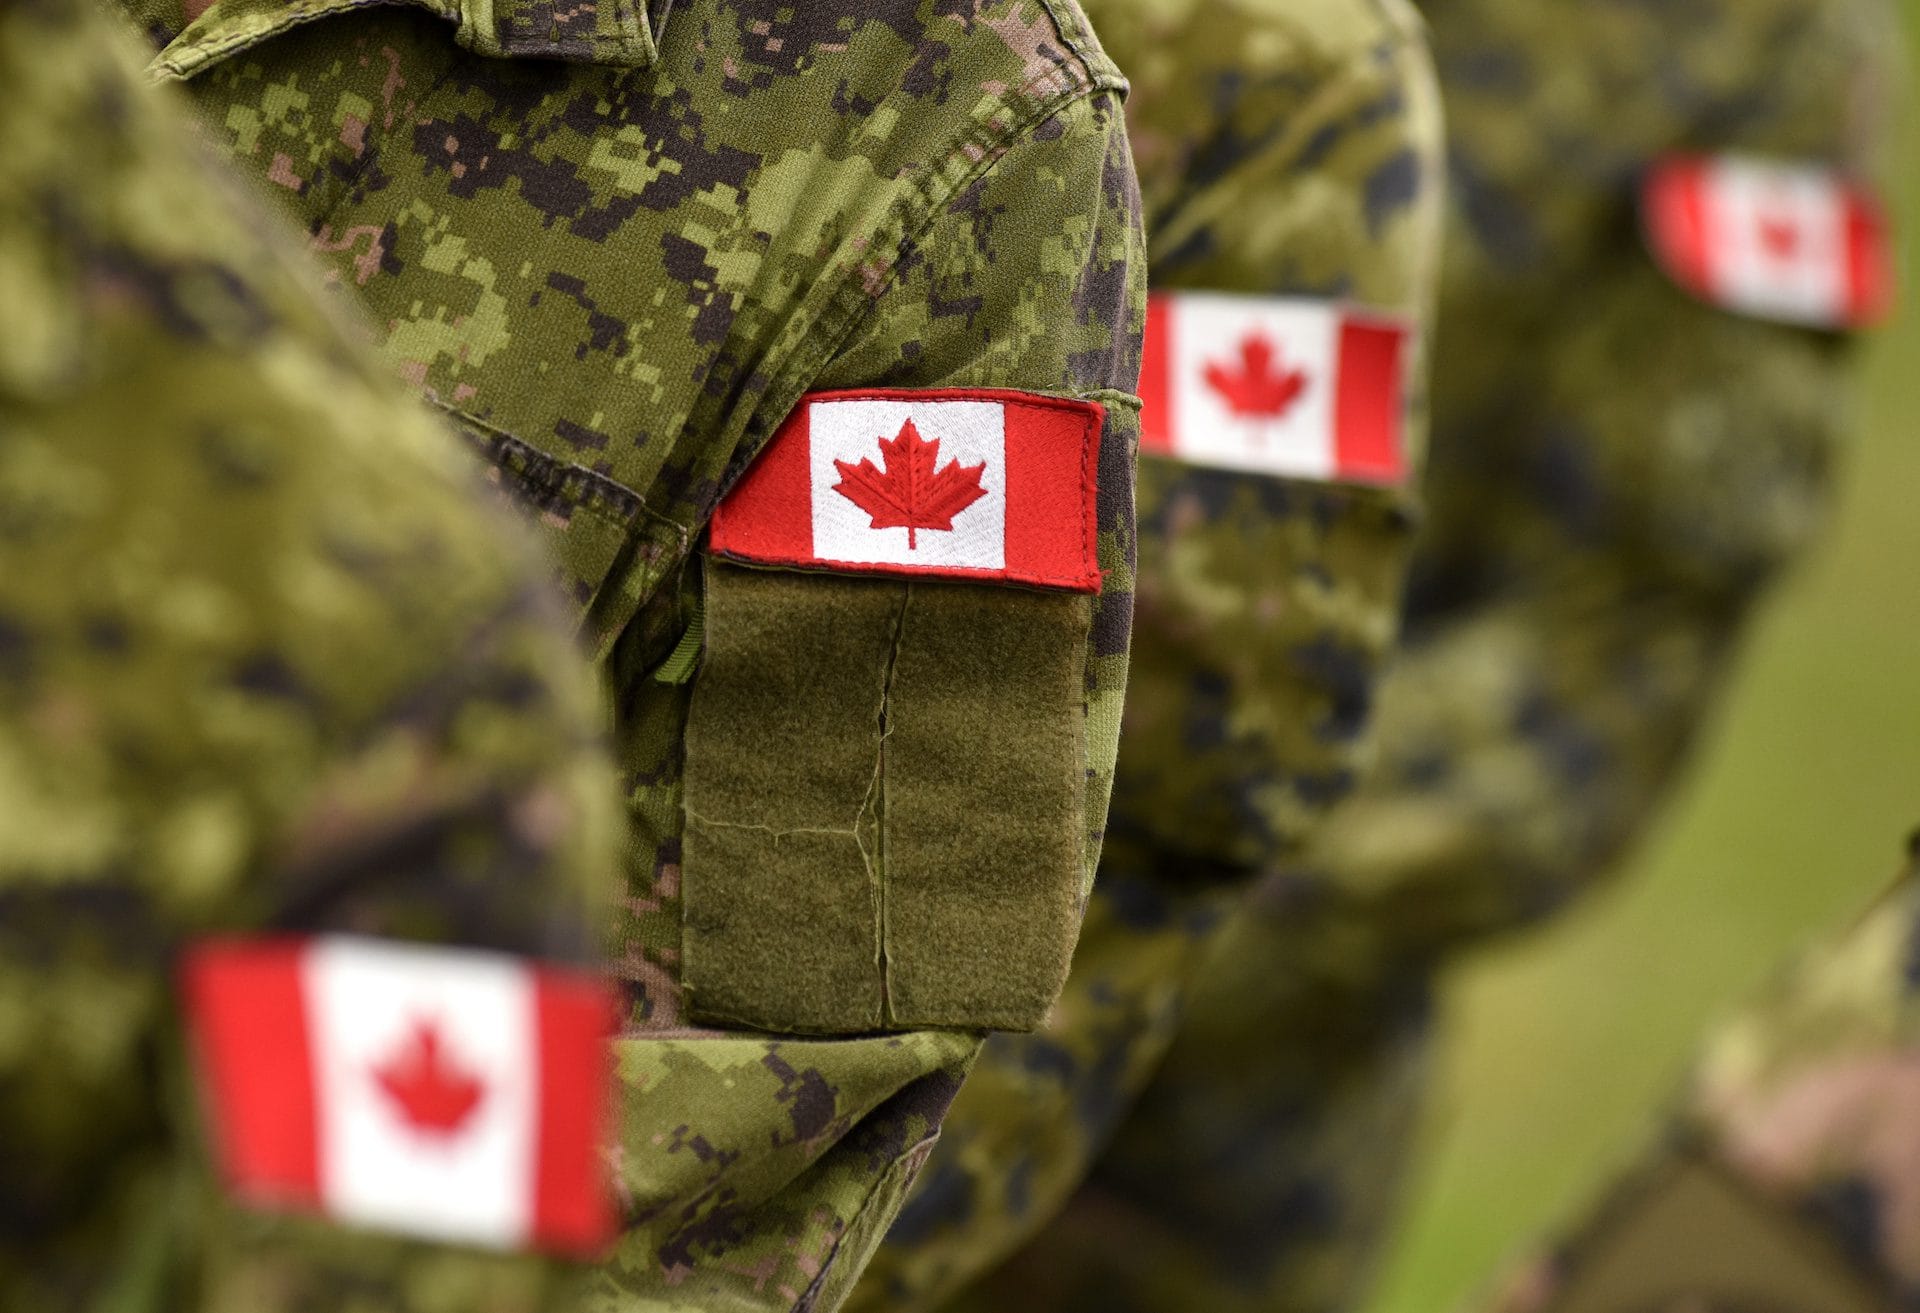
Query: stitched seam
x=580, y=488
x=879, y=876
x=911, y=1161
x=1089, y=494
x=1077, y=35
x=775, y=831
x=199, y=56
x=1084, y=586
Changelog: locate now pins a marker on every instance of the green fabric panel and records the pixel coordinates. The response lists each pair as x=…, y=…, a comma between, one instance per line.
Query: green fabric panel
x=1690, y=1237
x=781, y=904
x=984, y=805
x=809, y=845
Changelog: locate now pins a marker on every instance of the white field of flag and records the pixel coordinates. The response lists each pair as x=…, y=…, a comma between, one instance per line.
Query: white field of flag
x=1289, y=387
x=1797, y=243
x=443, y=1093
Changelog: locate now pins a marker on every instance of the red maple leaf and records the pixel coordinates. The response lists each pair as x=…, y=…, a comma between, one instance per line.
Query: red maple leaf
x=431, y=1091
x=1780, y=235
x=910, y=494
x=1256, y=388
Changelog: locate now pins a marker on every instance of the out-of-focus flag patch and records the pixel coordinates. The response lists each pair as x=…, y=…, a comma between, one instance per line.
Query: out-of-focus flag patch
x=443, y=1093
x=1283, y=386
x=1792, y=242
x=969, y=485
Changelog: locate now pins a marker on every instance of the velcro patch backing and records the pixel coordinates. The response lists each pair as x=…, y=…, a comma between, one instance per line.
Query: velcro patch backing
x=885, y=801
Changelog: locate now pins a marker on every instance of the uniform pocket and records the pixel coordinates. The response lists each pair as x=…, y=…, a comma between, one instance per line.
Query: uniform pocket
x=608, y=551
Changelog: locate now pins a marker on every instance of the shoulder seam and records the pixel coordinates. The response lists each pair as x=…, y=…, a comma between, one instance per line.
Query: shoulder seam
x=1077, y=34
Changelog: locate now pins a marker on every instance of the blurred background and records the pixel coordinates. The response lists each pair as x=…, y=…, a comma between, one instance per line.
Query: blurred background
x=1797, y=813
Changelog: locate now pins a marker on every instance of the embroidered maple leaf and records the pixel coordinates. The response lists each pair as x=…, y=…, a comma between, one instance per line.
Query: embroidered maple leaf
x=910, y=493
x=1255, y=388
x=433, y=1094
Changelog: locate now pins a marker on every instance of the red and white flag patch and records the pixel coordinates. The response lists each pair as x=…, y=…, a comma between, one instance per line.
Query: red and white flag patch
x=444, y=1093
x=1289, y=387
x=978, y=485
x=1797, y=243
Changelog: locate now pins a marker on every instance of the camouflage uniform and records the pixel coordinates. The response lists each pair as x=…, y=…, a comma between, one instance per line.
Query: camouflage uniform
x=1284, y=149
x=617, y=245
x=1617, y=470
x=1787, y=1181
x=269, y=662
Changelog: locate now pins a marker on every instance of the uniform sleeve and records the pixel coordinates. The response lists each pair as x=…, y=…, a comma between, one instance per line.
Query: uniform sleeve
x=1786, y=1178
x=762, y=1172
x=1268, y=603
x=1621, y=468
x=1604, y=615
x=272, y=668
x=922, y=767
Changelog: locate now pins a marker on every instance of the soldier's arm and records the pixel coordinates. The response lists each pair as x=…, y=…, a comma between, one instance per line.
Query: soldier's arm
x=999, y=711
x=1606, y=513
x=1292, y=169
x=272, y=668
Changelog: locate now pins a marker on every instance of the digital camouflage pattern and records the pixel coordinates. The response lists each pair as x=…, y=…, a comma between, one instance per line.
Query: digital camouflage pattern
x=1802, y=1105
x=1284, y=149
x=269, y=663
x=1616, y=472
x=617, y=262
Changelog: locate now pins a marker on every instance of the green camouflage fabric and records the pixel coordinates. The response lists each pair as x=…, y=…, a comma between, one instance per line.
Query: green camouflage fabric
x=1284, y=149
x=1802, y=1108
x=1616, y=472
x=617, y=261
x=270, y=663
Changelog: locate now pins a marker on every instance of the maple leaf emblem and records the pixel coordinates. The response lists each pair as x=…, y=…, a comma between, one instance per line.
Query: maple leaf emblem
x=910, y=493
x=433, y=1094
x=1255, y=388
x=1779, y=235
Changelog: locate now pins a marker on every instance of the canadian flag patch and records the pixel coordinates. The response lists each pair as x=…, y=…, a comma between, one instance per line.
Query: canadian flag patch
x=445, y=1093
x=1791, y=242
x=955, y=484
x=1289, y=387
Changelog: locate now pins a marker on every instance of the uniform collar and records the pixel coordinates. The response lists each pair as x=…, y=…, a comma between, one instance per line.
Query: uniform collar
x=619, y=33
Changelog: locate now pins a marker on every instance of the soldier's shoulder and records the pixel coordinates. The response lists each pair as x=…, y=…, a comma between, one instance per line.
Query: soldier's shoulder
x=163, y=348
x=239, y=543
x=117, y=237
x=1051, y=47
x=1248, y=39
x=1193, y=74
x=947, y=61
x=1251, y=92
